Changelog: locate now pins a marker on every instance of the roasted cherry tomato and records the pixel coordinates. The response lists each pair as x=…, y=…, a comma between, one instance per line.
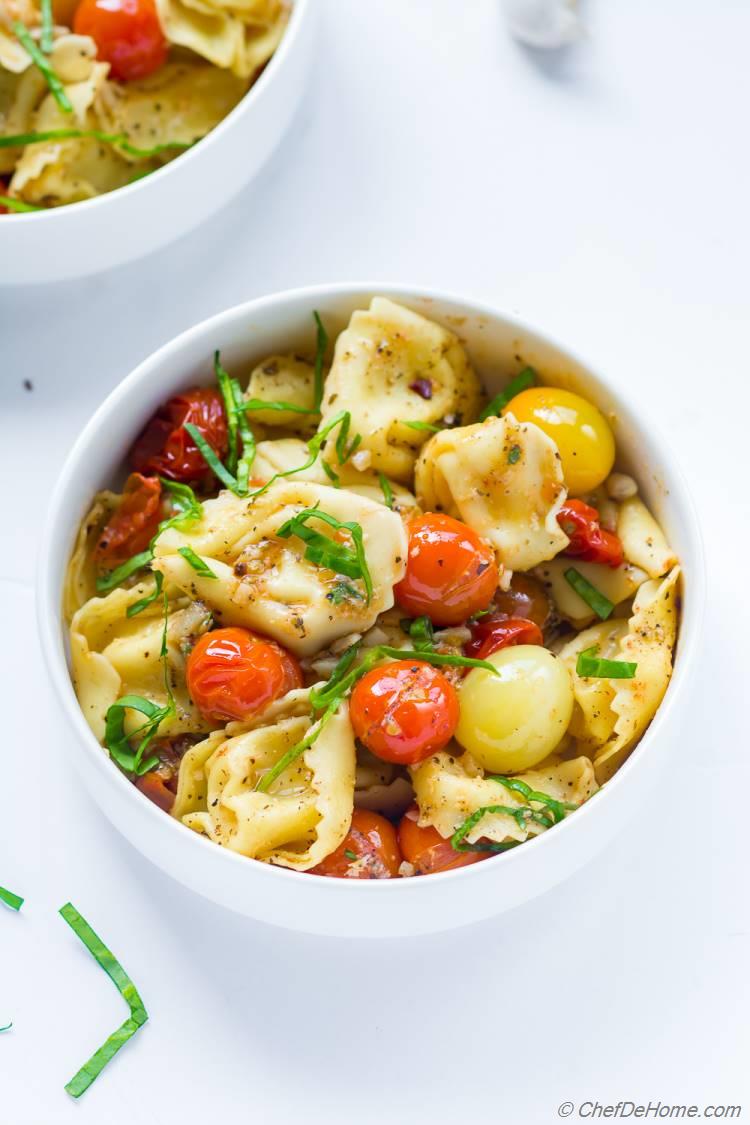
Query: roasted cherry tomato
x=127, y=34
x=233, y=674
x=154, y=786
x=581, y=433
x=404, y=711
x=588, y=540
x=426, y=850
x=368, y=851
x=450, y=572
x=492, y=633
x=165, y=446
x=526, y=597
x=132, y=527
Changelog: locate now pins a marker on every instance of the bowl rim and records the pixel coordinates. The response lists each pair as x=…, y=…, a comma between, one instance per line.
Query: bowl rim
x=299, y=10
x=49, y=587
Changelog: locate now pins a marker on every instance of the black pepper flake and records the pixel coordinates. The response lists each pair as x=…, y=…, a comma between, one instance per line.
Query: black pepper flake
x=422, y=387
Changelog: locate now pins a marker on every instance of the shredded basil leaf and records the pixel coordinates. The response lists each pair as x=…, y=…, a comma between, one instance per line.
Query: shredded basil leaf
x=314, y=446
x=591, y=665
x=202, y=569
x=424, y=426
x=324, y=551
x=344, y=451
x=210, y=457
x=18, y=205
x=276, y=404
x=385, y=485
x=119, y=140
x=91, y=1070
x=350, y=854
x=247, y=436
x=294, y=752
x=46, y=39
x=120, y=573
x=225, y=387
x=15, y=902
x=42, y=64
x=422, y=634
x=332, y=475
x=320, y=353
x=593, y=598
x=515, y=785
x=518, y=383
x=138, y=607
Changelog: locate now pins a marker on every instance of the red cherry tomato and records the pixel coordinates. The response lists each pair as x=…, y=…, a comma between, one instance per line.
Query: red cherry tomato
x=450, y=572
x=525, y=597
x=368, y=851
x=127, y=34
x=233, y=674
x=588, y=541
x=153, y=786
x=404, y=711
x=426, y=850
x=165, y=446
x=490, y=634
x=131, y=528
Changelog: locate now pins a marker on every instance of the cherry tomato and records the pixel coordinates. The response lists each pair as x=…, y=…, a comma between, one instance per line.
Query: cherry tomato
x=581, y=433
x=490, y=634
x=3, y=191
x=426, y=850
x=450, y=572
x=404, y=711
x=165, y=446
x=526, y=597
x=233, y=674
x=131, y=528
x=368, y=851
x=127, y=34
x=588, y=541
x=153, y=786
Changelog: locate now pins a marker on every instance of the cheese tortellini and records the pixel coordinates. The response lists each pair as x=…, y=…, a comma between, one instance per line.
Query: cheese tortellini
x=286, y=659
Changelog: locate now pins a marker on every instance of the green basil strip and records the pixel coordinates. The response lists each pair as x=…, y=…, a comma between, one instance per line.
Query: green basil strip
x=46, y=39
x=438, y=658
x=91, y=1070
x=515, y=785
x=6, y=1027
x=314, y=446
x=18, y=205
x=15, y=902
x=590, y=665
x=197, y=563
x=249, y=448
x=428, y=426
x=182, y=497
x=138, y=607
x=250, y=404
x=295, y=751
x=225, y=386
x=320, y=353
x=344, y=451
x=210, y=457
x=115, y=738
x=593, y=598
x=521, y=816
x=518, y=383
x=422, y=634
x=119, y=140
x=332, y=475
x=120, y=573
x=386, y=489
x=42, y=64
x=327, y=552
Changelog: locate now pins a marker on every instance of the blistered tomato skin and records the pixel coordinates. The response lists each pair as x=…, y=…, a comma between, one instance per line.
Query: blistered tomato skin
x=512, y=721
x=588, y=540
x=426, y=850
x=492, y=633
x=404, y=711
x=166, y=448
x=127, y=34
x=133, y=525
x=450, y=572
x=368, y=851
x=233, y=674
x=582, y=434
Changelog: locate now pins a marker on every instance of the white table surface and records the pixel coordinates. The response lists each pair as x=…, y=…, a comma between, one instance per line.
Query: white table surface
x=602, y=193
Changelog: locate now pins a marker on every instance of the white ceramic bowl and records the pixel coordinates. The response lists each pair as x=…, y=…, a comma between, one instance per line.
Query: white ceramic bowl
x=331, y=906
x=93, y=235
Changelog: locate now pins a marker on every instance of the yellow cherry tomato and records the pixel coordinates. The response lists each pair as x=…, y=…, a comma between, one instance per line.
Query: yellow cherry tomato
x=580, y=431
x=512, y=721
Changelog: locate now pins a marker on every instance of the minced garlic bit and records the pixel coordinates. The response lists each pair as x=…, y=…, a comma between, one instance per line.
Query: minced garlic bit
x=620, y=486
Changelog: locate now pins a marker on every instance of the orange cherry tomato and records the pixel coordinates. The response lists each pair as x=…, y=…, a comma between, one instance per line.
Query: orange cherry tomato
x=525, y=597
x=133, y=525
x=450, y=572
x=426, y=850
x=165, y=446
x=588, y=541
x=368, y=851
x=127, y=34
x=233, y=674
x=492, y=633
x=404, y=711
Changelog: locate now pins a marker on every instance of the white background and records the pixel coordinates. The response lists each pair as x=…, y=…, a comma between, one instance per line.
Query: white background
x=603, y=194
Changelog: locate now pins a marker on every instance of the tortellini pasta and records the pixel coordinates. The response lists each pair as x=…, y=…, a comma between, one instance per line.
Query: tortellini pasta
x=304, y=815
x=240, y=37
x=643, y=541
x=392, y=367
x=265, y=582
x=504, y=480
x=80, y=578
x=284, y=379
x=617, y=584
